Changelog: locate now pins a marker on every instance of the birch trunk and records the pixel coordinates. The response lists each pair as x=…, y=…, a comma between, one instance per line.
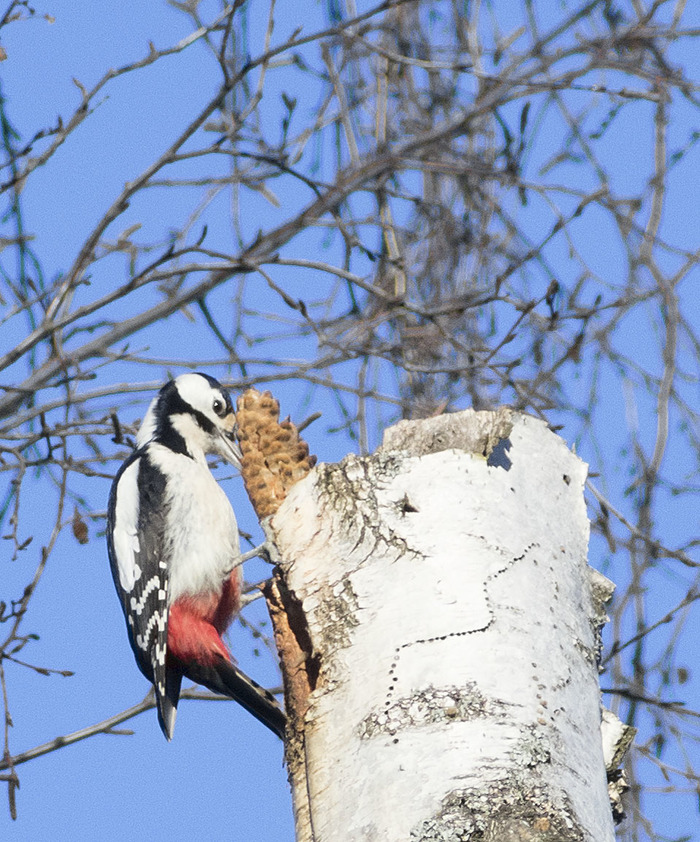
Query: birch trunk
x=444, y=612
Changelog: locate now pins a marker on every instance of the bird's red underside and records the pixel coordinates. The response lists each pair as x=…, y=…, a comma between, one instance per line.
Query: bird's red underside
x=196, y=623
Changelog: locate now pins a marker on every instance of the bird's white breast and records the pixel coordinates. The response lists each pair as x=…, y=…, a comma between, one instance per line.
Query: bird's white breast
x=202, y=531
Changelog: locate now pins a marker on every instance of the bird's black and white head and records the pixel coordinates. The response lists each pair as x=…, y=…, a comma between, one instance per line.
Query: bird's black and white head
x=193, y=415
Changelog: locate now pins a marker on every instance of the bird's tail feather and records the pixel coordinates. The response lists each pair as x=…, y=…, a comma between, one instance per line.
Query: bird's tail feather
x=167, y=704
x=223, y=677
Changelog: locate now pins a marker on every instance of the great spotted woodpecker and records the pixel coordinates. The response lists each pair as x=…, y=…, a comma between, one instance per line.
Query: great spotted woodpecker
x=173, y=549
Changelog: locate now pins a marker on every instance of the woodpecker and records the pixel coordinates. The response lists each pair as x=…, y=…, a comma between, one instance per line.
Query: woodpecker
x=173, y=549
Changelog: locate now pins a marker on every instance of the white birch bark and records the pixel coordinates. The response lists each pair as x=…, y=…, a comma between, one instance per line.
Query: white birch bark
x=450, y=610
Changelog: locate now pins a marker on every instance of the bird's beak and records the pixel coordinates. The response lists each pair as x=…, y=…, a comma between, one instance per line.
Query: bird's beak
x=228, y=445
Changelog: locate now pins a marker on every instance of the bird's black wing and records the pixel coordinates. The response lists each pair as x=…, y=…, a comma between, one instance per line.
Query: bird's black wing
x=136, y=529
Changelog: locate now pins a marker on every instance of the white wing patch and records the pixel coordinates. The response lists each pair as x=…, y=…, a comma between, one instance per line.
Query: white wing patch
x=137, y=605
x=126, y=521
x=142, y=640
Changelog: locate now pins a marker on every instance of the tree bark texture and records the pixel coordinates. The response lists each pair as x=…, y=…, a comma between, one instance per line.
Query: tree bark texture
x=447, y=634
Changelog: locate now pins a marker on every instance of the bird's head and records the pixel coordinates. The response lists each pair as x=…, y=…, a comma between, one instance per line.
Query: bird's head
x=193, y=414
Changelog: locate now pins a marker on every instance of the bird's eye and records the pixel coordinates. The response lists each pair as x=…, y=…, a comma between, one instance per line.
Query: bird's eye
x=219, y=407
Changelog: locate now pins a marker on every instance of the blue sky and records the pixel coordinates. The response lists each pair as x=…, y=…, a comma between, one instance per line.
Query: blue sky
x=222, y=776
